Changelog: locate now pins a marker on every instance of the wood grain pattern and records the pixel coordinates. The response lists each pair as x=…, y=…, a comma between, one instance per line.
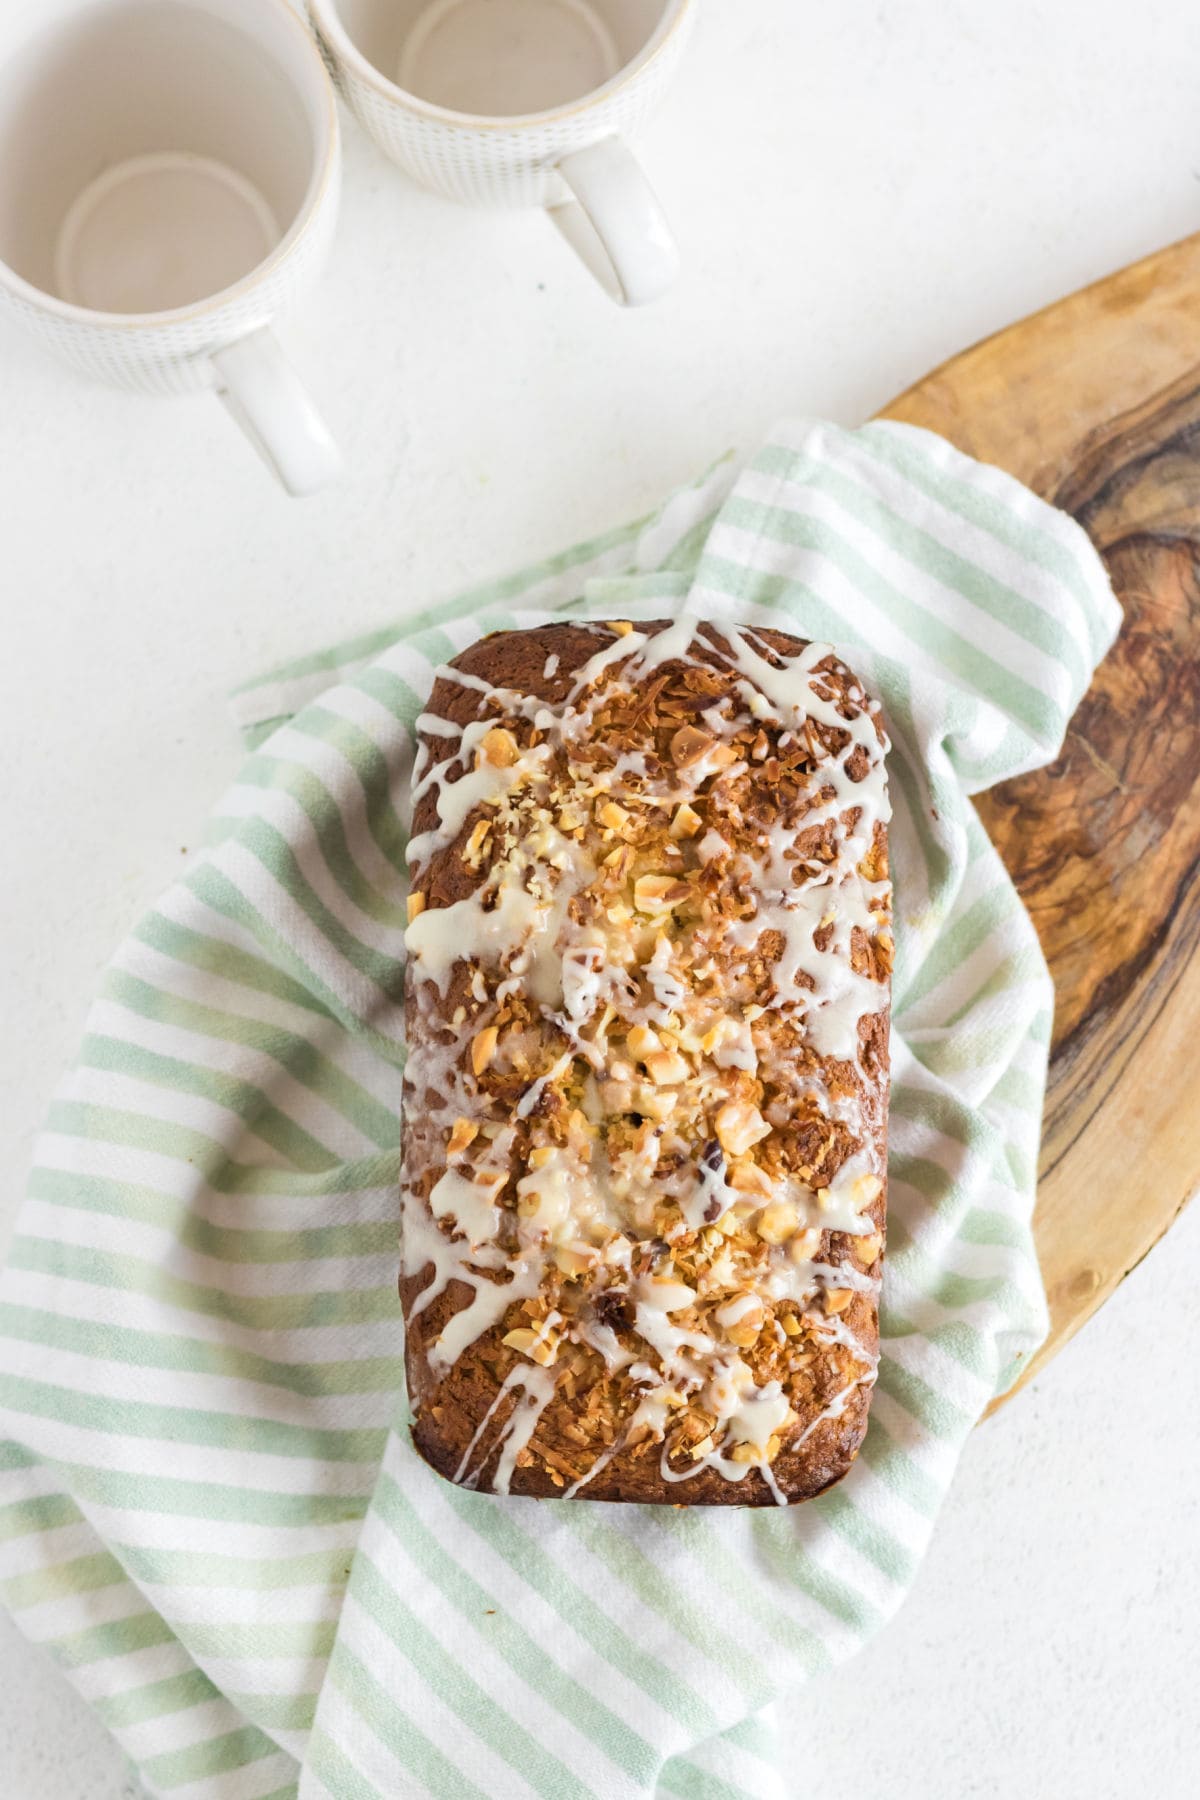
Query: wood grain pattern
x=1095, y=403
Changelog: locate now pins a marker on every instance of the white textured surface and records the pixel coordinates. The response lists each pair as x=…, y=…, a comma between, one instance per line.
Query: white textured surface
x=859, y=191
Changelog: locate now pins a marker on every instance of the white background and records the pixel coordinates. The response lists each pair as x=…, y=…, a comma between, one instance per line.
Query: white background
x=860, y=189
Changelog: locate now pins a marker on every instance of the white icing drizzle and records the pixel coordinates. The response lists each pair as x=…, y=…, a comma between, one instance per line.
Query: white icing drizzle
x=567, y=1200
x=759, y=1416
x=455, y=1259
x=515, y=1379
x=604, y=1340
x=670, y=991
x=481, y=785
x=737, y=1309
x=584, y=1206
x=433, y=725
x=534, y=1388
x=491, y=1302
x=436, y=938
x=837, y=1405
x=471, y=1202
x=601, y=1462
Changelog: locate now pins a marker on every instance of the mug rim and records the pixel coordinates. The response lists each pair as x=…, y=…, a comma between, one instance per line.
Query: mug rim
x=327, y=22
x=315, y=196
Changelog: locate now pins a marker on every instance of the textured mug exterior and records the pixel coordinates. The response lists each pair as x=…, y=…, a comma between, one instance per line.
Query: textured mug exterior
x=492, y=162
x=169, y=353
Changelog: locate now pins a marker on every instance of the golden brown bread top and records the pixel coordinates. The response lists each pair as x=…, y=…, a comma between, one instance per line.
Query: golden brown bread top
x=645, y=1105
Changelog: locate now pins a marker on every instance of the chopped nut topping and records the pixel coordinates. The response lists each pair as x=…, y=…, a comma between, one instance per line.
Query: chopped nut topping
x=686, y=823
x=667, y=1067
x=498, y=748
x=747, y=1329
x=748, y=1178
x=838, y=1299
x=739, y=1126
x=804, y=1246
x=464, y=1133
x=622, y=627
x=580, y=1134
x=688, y=745
x=658, y=893
x=775, y=1224
x=483, y=1048
x=473, y=851
x=416, y=905
x=613, y=816
x=641, y=1041
x=537, y=1345
x=868, y=1248
x=575, y=1259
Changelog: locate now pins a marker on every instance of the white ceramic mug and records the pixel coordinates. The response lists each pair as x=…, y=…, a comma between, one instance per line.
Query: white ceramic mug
x=168, y=184
x=522, y=103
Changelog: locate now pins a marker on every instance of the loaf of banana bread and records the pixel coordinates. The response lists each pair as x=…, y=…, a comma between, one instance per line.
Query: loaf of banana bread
x=645, y=1103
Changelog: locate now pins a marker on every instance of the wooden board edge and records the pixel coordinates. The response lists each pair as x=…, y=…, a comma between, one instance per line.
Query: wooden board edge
x=1078, y=330
x=1100, y=1296
x=1112, y=345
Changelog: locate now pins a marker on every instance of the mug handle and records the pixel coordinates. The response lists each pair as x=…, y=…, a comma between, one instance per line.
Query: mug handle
x=264, y=394
x=615, y=222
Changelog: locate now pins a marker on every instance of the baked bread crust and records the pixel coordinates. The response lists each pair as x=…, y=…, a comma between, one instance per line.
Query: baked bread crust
x=661, y=789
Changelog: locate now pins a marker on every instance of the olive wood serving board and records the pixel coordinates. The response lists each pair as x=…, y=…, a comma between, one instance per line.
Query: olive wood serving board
x=1095, y=403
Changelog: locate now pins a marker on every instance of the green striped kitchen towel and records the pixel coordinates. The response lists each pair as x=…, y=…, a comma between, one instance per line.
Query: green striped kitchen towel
x=210, y=1511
